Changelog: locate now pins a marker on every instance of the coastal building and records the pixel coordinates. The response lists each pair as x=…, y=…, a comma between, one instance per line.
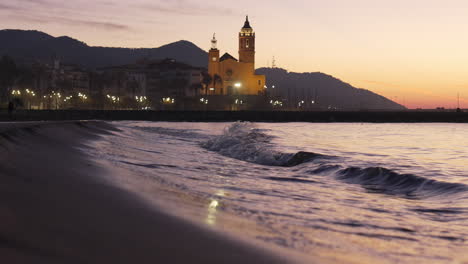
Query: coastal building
x=153, y=80
x=231, y=76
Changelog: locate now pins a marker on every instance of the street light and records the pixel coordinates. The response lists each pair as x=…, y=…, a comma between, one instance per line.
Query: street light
x=238, y=85
x=114, y=99
x=168, y=100
x=276, y=103
x=16, y=92
x=82, y=96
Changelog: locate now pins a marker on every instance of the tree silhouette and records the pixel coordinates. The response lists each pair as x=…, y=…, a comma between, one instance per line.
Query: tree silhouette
x=217, y=80
x=8, y=75
x=206, y=80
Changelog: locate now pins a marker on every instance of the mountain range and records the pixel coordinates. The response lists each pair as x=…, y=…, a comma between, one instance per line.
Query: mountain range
x=38, y=46
x=325, y=91
x=31, y=45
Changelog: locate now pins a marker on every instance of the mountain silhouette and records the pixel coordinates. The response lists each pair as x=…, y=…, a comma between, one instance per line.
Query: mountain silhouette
x=325, y=91
x=29, y=46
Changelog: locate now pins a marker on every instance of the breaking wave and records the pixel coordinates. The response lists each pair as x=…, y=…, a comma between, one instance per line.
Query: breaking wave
x=387, y=181
x=243, y=141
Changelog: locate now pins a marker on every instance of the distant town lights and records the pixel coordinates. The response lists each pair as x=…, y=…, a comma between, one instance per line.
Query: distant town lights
x=140, y=99
x=16, y=92
x=82, y=96
x=168, y=100
x=239, y=102
x=276, y=103
x=113, y=98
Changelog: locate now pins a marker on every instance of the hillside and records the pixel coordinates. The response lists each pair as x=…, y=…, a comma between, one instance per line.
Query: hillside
x=325, y=90
x=34, y=45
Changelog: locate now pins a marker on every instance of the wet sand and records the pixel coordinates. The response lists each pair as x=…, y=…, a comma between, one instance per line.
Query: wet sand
x=54, y=208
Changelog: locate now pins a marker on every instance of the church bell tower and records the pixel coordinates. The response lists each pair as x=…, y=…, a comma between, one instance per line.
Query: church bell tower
x=247, y=43
x=213, y=56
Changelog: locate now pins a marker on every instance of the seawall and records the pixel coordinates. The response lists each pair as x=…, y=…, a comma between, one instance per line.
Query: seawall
x=227, y=116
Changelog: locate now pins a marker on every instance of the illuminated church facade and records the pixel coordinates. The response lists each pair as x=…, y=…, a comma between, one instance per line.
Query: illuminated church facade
x=231, y=76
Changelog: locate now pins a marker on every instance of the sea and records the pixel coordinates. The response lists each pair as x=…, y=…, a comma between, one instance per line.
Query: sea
x=337, y=192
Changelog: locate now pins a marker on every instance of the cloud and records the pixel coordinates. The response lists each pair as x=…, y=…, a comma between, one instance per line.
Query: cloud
x=31, y=5
x=59, y=12
x=8, y=7
x=183, y=7
x=74, y=22
x=99, y=24
x=42, y=2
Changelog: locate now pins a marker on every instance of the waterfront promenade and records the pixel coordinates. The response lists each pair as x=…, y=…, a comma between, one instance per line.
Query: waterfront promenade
x=229, y=116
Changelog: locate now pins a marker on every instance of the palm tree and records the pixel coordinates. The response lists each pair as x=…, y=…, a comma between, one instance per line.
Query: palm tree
x=217, y=79
x=8, y=76
x=207, y=79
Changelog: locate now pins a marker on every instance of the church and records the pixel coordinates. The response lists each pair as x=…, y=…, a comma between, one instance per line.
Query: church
x=231, y=76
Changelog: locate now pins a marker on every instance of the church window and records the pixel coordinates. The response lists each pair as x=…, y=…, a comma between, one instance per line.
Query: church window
x=259, y=82
x=247, y=43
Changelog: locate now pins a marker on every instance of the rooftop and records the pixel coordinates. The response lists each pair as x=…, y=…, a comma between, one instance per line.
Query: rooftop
x=227, y=56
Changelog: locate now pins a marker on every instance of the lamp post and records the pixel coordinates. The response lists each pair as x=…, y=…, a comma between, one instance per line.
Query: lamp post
x=57, y=97
x=82, y=97
x=143, y=101
x=113, y=99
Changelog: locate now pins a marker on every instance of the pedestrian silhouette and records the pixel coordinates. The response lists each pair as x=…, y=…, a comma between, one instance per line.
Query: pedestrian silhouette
x=11, y=109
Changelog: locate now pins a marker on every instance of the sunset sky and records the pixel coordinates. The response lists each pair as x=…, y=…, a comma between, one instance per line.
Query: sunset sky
x=412, y=51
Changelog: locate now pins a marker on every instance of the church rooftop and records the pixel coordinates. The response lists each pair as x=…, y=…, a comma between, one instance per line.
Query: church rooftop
x=227, y=56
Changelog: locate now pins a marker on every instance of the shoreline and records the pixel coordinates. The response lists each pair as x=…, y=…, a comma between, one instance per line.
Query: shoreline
x=56, y=210
x=232, y=116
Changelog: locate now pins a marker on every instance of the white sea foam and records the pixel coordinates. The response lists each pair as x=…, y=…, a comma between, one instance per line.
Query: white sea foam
x=242, y=140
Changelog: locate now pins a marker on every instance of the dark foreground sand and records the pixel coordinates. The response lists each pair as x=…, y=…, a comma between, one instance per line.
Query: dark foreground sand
x=54, y=208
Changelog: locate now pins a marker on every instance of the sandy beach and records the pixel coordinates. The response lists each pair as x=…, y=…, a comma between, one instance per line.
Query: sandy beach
x=56, y=209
